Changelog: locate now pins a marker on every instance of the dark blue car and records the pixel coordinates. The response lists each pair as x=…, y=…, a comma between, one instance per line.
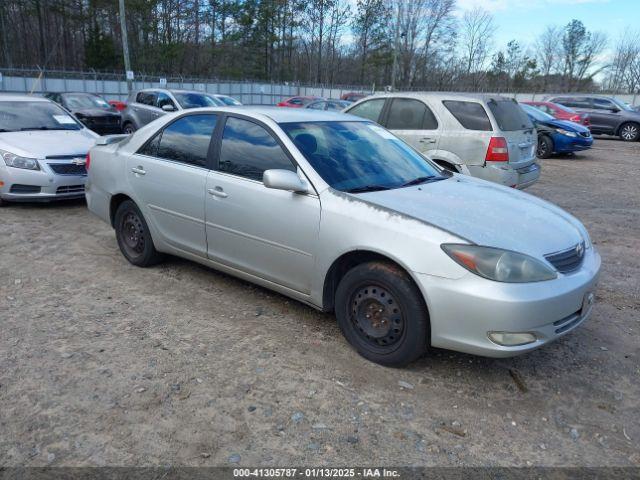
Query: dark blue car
x=557, y=136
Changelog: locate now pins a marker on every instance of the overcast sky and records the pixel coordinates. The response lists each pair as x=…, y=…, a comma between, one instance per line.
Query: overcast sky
x=524, y=20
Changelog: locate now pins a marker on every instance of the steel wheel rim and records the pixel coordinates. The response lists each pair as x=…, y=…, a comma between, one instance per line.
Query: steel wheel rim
x=376, y=316
x=133, y=234
x=629, y=132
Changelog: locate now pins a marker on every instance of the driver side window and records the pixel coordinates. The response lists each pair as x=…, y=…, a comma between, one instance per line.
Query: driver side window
x=163, y=99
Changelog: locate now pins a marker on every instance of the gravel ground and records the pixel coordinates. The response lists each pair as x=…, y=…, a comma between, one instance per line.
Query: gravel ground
x=103, y=363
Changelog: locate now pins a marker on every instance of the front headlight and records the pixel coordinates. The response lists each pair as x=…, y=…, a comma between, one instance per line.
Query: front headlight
x=499, y=265
x=16, y=161
x=562, y=131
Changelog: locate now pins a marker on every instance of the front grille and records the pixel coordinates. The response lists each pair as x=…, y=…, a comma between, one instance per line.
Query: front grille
x=71, y=189
x=68, y=169
x=567, y=260
x=17, y=188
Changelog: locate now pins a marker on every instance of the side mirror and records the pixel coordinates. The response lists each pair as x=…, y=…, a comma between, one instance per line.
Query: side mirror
x=279, y=179
x=614, y=110
x=168, y=108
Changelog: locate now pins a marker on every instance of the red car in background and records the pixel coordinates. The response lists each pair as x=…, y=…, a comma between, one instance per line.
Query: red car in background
x=561, y=112
x=298, y=102
x=118, y=105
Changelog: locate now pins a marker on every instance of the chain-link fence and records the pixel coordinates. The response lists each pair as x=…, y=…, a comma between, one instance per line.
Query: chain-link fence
x=113, y=86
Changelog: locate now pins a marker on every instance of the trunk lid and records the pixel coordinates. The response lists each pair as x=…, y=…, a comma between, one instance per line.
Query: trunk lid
x=513, y=124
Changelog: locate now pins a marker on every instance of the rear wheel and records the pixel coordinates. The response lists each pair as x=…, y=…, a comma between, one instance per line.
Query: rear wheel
x=630, y=132
x=128, y=128
x=134, y=238
x=382, y=314
x=545, y=147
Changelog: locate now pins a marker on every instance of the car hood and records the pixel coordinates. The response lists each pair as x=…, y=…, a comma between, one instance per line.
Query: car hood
x=95, y=112
x=566, y=125
x=485, y=214
x=42, y=143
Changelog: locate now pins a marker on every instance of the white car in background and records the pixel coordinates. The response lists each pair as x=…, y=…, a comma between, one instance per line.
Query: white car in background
x=43, y=150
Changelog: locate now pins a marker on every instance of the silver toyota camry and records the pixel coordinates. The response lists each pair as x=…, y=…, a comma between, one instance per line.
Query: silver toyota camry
x=42, y=150
x=336, y=212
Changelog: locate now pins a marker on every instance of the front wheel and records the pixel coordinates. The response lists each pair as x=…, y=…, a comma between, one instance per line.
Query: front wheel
x=128, y=128
x=134, y=237
x=545, y=147
x=382, y=314
x=630, y=132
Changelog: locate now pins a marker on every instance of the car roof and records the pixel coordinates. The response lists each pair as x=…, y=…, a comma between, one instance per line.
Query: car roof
x=439, y=96
x=17, y=97
x=286, y=115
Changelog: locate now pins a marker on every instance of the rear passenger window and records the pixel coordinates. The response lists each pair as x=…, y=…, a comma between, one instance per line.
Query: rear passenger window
x=370, y=109
x=410, y=114
x=146, y=98
x=574, y=102
x=471, y=115
x=186, y=140
x=248, y=150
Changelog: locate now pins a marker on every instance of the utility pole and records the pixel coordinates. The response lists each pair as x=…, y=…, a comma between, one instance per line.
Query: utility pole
x=396, y=47
x=125, y=46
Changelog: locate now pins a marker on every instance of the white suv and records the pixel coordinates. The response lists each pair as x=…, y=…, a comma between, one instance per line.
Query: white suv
x=485, y=136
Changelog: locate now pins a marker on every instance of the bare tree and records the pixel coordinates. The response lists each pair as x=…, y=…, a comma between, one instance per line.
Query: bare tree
x=580, y=50
x=475, y=41
x=625, y=68
x=548, y=48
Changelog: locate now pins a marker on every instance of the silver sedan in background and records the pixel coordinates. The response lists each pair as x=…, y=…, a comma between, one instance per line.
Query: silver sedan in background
x=335, y=211
x=42, y=150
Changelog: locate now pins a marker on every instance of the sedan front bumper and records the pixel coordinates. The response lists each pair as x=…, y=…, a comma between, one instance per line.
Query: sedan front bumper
x=39, y=185
x=464, y=311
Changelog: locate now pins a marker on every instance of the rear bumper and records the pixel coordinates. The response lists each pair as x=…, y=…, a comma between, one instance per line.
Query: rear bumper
x=464, y=311
x=507, y=175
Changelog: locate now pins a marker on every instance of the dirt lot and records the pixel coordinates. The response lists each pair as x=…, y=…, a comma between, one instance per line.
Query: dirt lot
x=103, y=363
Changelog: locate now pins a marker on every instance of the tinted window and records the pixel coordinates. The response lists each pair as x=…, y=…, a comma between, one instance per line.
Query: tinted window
x=575, y=102
x=358, y=156
x=146, y=98
x=471, y=115
x=409, y=114
x=603, y=104
x=509, y=115
x=370, y=109
x=186, y=140
x=248, y=150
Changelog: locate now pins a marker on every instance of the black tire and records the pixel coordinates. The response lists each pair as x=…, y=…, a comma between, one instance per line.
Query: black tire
x=134, y=238
x=128, y=128
x=396, y=330
x=545, y=147
x=630, y=132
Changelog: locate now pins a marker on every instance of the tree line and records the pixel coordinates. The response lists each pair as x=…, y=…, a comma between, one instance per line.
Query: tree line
x=411, y=44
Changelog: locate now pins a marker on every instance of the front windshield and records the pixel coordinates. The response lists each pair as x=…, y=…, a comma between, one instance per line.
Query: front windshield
x=359, y=156
x=195, y=100
x=622, y=105
x=538, y=115
x=17, y=116
x=228, y=100
x=79, y=101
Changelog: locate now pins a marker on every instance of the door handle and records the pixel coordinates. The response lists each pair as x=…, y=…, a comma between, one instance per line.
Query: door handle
x=138, y=170
x=427, y=140
x=217, y=192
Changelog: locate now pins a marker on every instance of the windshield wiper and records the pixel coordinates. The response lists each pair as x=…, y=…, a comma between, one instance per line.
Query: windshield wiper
x=419, y=180
x=368, y=188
